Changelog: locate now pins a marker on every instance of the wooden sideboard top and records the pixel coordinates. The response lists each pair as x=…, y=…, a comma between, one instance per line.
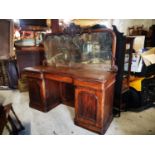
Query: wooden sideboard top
x=77, y=72
x=30, y=49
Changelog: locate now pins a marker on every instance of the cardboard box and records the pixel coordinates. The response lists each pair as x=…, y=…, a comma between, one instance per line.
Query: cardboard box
x=149, y=57
x=137, y=63
x=138, y=43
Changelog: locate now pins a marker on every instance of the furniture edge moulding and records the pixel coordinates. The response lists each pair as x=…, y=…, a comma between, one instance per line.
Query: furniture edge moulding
x=95, y=118
x=93, y=95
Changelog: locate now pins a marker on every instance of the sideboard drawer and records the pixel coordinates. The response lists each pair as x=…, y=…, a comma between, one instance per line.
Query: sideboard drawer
x=57, y=77
x=34, y=75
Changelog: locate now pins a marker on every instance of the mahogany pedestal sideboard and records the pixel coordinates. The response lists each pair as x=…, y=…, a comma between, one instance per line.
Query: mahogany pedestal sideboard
x=90, y=91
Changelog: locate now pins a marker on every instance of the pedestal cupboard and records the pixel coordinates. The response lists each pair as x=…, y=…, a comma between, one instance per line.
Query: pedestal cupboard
x=89, y=87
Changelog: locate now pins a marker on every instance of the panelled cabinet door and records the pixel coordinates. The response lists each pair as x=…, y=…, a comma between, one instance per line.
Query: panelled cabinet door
x=89, y=106
x=40, y=98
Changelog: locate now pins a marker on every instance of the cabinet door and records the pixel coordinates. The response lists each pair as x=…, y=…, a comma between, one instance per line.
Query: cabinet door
x=89, y=106
x=44, y=94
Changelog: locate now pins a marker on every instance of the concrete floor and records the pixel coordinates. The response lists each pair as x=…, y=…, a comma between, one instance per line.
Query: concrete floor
x=60, y=120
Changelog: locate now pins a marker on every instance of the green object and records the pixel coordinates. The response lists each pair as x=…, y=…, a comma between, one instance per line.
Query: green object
x=23, y=84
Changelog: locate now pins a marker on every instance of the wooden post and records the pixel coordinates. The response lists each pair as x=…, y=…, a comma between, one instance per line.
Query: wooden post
x=55, y=25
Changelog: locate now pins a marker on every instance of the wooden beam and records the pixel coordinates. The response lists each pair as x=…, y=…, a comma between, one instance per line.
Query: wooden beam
x=55, y=25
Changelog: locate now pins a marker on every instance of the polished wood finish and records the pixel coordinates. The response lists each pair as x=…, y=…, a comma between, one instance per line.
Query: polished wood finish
x=29, y=57
x=89, y=87
x=93, y=103
x=55, y=25
x=43, y=100
x=93, y=90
